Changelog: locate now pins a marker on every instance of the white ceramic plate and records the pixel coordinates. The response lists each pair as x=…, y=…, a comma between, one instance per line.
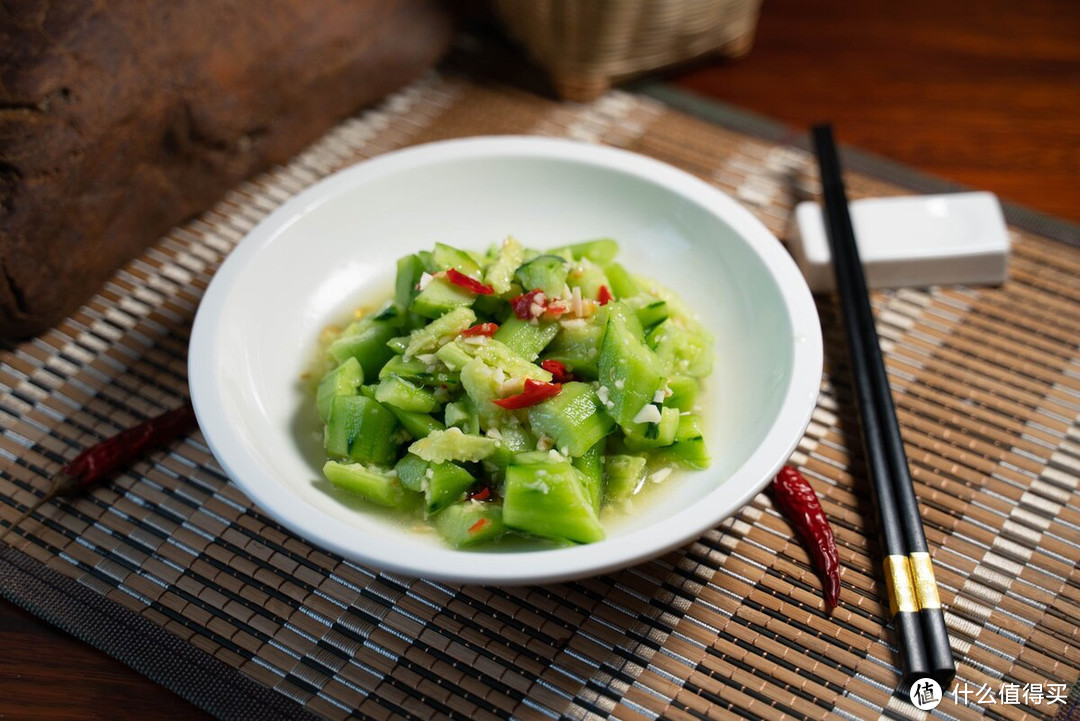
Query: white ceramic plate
x=333, y=248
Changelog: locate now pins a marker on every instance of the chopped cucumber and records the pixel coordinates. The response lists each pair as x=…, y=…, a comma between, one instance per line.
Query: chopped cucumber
x=453, y=445
x=628, y=370
x=445, y=483
x=602, y=250
x=577, y=346
x=548, y=500
x=590, y=466
x=655, y=436
x=684, y=390
x=376, y=485
x=342, y=381
x=445, y=256
x=623, y=284
x=360, y=429
x=470, y=523
x=405, y=395
x=409, y=270
x=682, y=350
x=440, y=297
x=524, y=338
x=575, y=419
x=624, y=476
x=462, y=414
x=689, y=450
x=418, y=425
x=440, y=331
x=500, y=274
x=417, y=371
x=546, y=272
x=411, y=471
x=367, y=345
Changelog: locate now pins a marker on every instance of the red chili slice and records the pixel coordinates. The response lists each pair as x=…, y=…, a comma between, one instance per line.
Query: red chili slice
x=481, y=494
x=604, y=296
x=458, y=278
x=535, y=392
x=479, y=525
x=523, y=304
x=558, y=371
x=487, y=329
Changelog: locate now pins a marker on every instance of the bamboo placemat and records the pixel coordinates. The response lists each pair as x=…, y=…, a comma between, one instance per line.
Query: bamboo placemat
x=172, y=569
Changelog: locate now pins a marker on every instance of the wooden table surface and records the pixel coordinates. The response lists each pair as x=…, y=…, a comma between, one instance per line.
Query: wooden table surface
x=983, y=92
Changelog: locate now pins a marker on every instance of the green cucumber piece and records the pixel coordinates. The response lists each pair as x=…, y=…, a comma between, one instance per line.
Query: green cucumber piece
x=446, y=256
x=624, y=476
x=417, y=371
x=419, y=425
x=684, y=392
x=590, y=466
x=342, y=381
x=445, y=483
x=588, y=277
x=440, y=297
x=453, y=356
x=689, y=449
x=663, y=434
x=623, y=285
x=405, y=395
x=376, y=485
x=360, y=429
x=546, y=272
x=575, y=419
x=601, y=250
x=411, y=472
x=462, y=414
x=524, y=338
x=500, y=274
x=440, y=331
x=453, y=445
x=548, y=500
x=652, y=312
x=681, y=350
x=628, y=369
x=467, y=524
x=577, y=346
x=367, y=345
x=409, y=270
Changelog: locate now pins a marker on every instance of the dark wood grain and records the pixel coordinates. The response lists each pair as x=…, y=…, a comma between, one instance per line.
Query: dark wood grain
x=984, y=92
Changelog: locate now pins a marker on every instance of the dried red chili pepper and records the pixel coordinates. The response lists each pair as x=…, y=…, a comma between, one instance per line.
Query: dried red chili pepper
x=535, y=392
x=523, y=304
x=103, y=459
x=479, y=525
x=482, y=493
x=487, y=329
x=604, y=296
x=460, y=279
x=558, y=371
x=800, y=505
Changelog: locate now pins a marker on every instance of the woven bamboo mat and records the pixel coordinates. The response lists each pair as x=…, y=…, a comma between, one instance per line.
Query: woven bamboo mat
x=988, y=389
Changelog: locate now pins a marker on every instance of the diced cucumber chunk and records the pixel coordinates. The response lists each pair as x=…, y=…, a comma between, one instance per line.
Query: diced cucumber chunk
x=524, y=338
x=601, y=250
x=549, y=500
x=467, y=524
x=689, y=449
x=405, y=395
x=624, y=476
x=628, y=370
x=462, y=414
x=590, y=466
x=342, y=381
x=663, y=434
x=497, y=355
x=681, y=350
x=500, y=274
x=446, y=483
x=546, y=272
x=376, y=485
x=409, y=270
x=440, y=331
x=623, y=284
x=418, y=425
x=588, y=277
x=367, y=345
x=453, y=445
x=420, y=372
x=440, y=297
x=684, y=391
x=651, y=312
x=575, y=419
x=411, y=471
x=577, y=346
x=446, y=256
x=360, y=429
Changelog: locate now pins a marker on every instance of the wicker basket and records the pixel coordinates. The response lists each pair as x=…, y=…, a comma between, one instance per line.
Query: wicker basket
x=586, y=45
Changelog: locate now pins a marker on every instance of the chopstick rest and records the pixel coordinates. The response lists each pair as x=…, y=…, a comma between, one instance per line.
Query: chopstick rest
x=915, y=240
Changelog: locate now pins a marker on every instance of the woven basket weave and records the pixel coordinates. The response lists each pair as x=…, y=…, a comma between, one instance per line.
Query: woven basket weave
x=586, y=45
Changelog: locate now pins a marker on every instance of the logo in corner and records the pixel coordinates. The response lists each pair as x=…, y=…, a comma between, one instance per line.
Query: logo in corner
x=925, y=694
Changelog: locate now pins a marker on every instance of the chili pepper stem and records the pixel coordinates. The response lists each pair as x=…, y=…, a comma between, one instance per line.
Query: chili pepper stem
x=62, y=485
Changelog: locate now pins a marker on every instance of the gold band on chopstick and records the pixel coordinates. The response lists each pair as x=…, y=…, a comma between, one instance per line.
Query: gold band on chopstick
x=922, y=573
x=899, y=585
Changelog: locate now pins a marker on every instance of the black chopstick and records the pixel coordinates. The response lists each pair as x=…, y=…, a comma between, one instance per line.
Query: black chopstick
x=909, y=576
